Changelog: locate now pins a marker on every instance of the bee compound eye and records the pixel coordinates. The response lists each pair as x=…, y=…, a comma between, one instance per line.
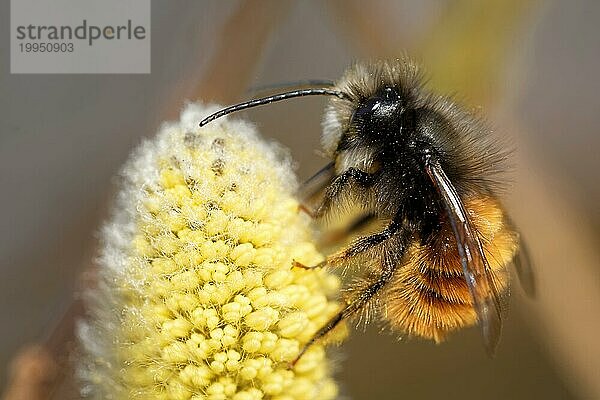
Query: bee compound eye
x=378, y=110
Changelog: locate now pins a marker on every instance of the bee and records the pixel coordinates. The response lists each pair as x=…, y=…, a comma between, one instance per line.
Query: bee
x=431, y=170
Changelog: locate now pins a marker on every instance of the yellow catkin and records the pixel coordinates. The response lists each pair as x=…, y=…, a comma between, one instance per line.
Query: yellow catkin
x=196, y=297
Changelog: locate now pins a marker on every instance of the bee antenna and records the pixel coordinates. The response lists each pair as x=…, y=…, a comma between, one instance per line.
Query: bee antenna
x=272, y=99
x=300, y=84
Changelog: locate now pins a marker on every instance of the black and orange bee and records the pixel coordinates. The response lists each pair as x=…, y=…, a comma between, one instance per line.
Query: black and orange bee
x=430, y=170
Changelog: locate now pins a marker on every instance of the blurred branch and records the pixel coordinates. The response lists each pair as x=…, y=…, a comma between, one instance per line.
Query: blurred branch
x=465, y=51
x=238, y=51
x=32, y=374
x=236, y=56
x=39, y=370
x=365, y=25
x=566, y=261
x=468, y=50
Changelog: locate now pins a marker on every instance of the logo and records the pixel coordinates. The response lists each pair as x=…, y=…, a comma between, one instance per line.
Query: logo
x=80, y=36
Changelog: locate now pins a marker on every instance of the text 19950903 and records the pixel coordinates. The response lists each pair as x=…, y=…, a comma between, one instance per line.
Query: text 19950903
x=34, y=47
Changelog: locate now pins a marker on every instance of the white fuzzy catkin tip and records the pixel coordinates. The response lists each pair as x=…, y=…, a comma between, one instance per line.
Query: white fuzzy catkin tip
x=196, y=297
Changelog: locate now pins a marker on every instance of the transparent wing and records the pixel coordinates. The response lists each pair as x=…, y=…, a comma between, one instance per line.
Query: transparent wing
x=315, y=185
x=522, y=263
x=484, y=292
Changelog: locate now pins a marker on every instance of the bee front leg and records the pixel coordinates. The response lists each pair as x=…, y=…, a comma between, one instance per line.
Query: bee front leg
x=364, y=243
x=338, y=235
x=340, y=184
x=315, y=185
x=359, y=246
x=355, y=304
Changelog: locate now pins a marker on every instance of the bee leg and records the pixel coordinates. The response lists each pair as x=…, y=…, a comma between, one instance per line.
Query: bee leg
x=305, y=209
x=336, y=236
x=314, y=186
x=339, y=185
x=296, y=264
x=352, y=306
x=364, y=243
x=359, y=246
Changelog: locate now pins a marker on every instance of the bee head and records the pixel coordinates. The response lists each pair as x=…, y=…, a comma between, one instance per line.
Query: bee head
x=371, y=118
x=377, y=113
x=376, y=95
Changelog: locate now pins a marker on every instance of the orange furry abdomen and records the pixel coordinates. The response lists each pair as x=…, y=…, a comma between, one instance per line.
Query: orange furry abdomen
x=428, y=296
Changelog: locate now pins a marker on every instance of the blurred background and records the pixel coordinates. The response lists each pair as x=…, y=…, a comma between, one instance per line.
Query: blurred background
x=531, y=65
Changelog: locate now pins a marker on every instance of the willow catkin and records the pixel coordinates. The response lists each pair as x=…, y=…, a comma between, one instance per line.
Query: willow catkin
x=196, y=297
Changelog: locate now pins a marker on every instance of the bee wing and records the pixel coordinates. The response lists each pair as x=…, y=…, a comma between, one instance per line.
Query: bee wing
x=484, y=292
x=314, y=185
x=522, y=263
